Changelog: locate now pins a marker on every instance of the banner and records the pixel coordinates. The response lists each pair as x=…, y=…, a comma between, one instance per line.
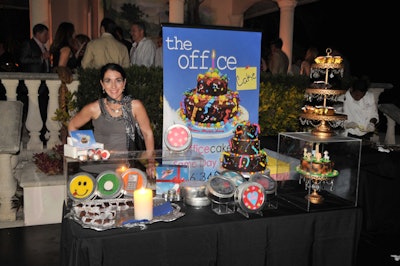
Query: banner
x=211, y=83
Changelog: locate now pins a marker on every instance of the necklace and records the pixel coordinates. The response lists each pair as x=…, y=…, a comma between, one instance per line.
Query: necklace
x=114, y=110
x=111, y=100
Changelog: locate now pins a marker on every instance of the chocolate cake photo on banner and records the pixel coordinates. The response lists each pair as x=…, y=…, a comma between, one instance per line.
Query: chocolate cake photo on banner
x=211, y=84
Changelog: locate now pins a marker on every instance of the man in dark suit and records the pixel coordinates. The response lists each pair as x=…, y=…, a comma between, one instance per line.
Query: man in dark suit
x=34, y=55
x=36, y=58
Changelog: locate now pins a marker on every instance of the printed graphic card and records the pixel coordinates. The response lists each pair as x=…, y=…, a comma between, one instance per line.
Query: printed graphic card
x=83, y=138
x=170, y=177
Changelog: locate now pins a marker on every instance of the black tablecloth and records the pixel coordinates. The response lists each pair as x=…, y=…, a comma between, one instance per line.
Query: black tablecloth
x=379, y=194
x=283, y=236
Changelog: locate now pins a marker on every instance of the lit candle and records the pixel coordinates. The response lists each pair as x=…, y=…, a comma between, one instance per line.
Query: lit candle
x=213, y=58
x=120, y=170
x=143, y=204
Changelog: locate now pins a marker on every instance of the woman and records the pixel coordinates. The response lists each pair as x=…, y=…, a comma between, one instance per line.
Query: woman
x=114, y=116
x=305, y=67
x=81, y=42
x=63, y=47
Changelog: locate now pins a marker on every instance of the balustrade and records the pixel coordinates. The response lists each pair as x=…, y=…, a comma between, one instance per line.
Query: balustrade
x=35, y=90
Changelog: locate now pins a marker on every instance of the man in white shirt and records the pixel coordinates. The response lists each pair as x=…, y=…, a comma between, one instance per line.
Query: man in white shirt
x=361, y=110
x=143, y=50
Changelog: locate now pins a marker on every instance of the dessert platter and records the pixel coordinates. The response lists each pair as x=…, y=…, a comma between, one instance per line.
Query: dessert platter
x=323, y=117
x=104, y=214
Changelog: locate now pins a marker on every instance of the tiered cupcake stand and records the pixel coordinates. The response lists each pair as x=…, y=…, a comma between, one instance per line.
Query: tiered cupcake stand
x=319, y=116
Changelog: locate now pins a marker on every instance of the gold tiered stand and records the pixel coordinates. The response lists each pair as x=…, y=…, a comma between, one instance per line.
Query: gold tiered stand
x=314, y=183
x=323, y=123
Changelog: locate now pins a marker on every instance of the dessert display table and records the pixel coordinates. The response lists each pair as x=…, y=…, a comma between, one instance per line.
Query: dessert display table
x=283, y=236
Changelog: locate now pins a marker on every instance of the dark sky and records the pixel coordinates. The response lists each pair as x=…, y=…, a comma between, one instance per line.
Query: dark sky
x=364, y=31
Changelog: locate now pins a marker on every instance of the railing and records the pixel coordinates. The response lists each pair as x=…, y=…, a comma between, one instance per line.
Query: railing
x=40, y=95
x=34, y=88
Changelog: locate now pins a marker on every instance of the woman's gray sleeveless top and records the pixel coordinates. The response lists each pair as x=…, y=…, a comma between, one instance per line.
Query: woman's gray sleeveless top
x=110, y=131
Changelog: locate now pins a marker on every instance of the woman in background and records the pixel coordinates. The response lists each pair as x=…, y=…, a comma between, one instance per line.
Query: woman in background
x=305, y=67
x=81, y=41
x=63, y=47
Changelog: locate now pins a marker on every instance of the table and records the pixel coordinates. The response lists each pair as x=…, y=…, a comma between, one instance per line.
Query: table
x=282, y=236
x=379, y=195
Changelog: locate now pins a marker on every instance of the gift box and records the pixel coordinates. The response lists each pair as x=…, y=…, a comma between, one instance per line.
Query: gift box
x=80, y=142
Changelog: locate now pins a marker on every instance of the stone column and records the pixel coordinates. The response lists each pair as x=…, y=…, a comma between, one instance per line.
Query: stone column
x=53, y=126
x=40, y=13
x=236, y=20
x=10, y=143
x=7, y=189
x=176, y=11
x=286, y=26
x=11, y=88
x=33, y=122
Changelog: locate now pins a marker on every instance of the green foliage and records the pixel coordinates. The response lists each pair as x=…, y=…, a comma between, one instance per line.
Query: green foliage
x=64, y=115
x=281, y=99
x=132, y=12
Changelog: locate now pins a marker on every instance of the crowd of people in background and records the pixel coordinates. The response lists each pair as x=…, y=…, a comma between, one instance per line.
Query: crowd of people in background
x=276, y=62
x=72, y=50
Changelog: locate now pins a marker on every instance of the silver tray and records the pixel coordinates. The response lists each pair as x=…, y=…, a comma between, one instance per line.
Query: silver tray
x=103, y=214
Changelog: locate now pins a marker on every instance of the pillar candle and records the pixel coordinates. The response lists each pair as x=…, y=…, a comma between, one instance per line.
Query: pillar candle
x=143, y=204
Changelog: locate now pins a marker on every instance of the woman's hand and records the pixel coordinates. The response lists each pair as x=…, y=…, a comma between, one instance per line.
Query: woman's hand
x=151, y=169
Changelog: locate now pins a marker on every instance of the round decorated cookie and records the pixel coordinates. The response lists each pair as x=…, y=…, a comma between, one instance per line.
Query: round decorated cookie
x=81, y=186
x=250, y=196
x=133, y=179
x=109, y=185
x=178, y=138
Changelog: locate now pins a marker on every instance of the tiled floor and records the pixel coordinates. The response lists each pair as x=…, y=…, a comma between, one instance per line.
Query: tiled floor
x=30, y=245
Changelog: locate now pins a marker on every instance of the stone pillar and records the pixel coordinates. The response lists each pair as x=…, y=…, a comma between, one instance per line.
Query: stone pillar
x=53, y=126
x=286, y=26
x=10, y=143
x=176, y=11
x=7, y=189
x=11, y=88
x=236, y=20
x=390, y=137
x=40, y=13
x=34, y=121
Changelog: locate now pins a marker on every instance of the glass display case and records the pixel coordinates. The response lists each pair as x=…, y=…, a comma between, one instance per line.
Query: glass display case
x=323, y=173
x=116, y=177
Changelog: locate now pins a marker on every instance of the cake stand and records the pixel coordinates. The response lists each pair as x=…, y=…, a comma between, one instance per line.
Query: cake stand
x=322, y=123
x=314, y=182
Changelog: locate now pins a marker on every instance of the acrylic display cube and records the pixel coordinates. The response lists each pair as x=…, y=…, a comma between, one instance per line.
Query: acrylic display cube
x=318, y=189
x=122, y=173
